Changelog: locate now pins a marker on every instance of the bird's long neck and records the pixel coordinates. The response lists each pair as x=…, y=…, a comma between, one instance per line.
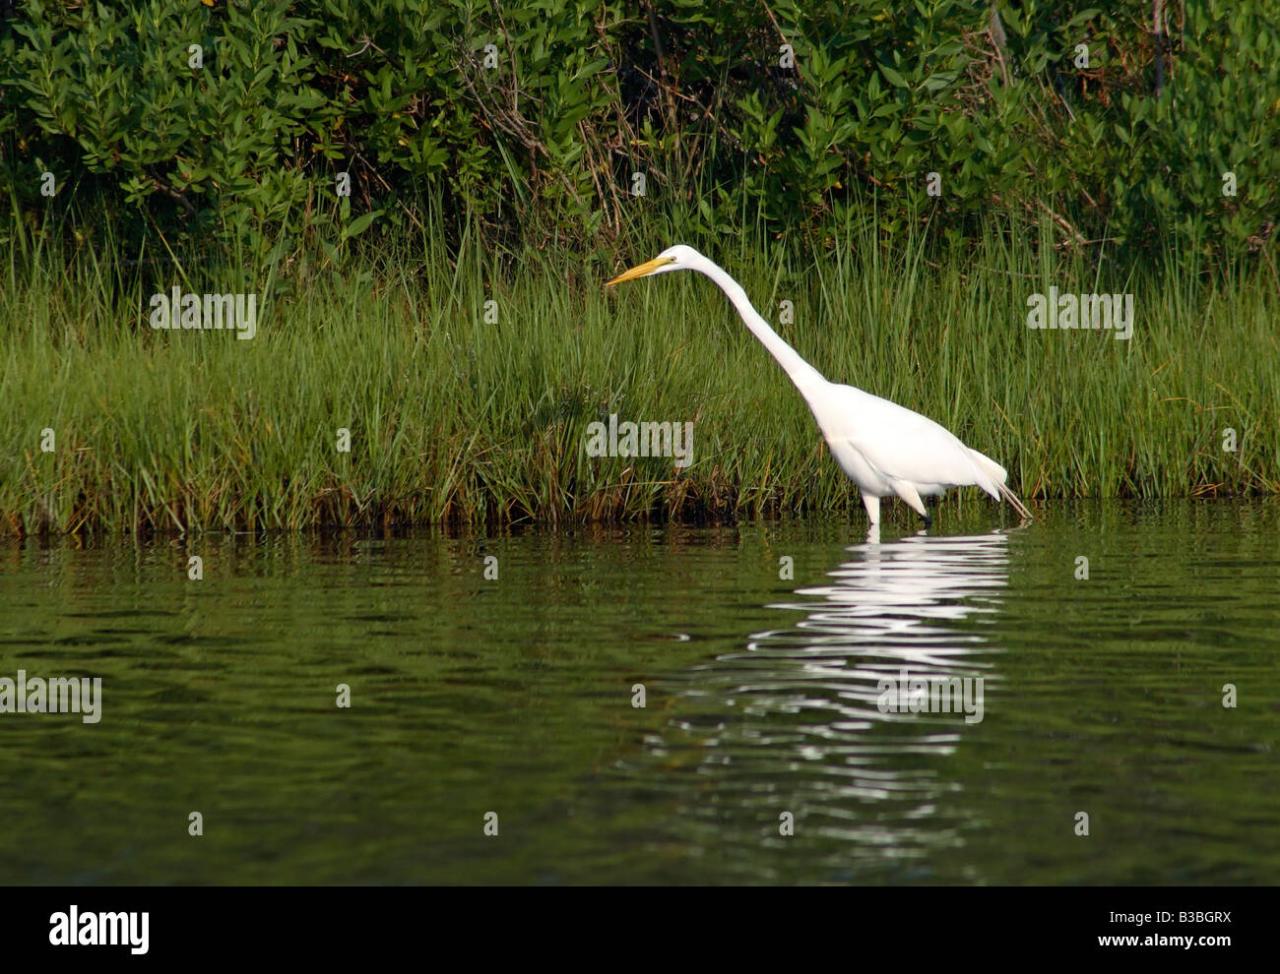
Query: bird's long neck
x=805, y=376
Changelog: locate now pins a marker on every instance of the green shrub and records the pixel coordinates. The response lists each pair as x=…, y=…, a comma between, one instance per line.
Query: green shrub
x=533, y=119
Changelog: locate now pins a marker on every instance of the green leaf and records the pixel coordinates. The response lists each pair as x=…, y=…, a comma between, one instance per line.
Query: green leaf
x=895, y=79
x=360, y=224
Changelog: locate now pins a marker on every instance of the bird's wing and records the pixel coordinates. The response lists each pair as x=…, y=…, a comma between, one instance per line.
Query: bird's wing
x=901, y=444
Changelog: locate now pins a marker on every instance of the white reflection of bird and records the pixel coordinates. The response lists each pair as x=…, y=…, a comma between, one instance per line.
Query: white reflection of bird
x=884, y=448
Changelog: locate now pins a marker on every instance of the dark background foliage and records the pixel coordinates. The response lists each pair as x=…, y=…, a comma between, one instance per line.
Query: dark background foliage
x=532, y=121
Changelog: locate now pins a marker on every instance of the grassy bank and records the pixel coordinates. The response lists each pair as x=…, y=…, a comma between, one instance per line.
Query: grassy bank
x=453, y=417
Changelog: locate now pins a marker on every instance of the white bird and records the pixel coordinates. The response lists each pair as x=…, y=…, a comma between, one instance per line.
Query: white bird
x=884, y=448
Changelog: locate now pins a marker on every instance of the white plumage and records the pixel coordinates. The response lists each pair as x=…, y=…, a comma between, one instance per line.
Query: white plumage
x=884, y=448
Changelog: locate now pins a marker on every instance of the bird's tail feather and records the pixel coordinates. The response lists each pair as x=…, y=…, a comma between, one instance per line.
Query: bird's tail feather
x=1016, y=504
x=992, y=473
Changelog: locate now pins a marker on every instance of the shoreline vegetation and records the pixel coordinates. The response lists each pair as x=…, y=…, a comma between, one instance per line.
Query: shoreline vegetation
x=408, y=386
x=308, y=263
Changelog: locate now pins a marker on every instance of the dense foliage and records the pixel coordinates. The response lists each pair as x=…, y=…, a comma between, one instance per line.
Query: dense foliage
x=1131, y=126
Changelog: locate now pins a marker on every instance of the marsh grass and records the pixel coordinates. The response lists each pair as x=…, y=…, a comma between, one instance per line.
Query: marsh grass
x=454, y=419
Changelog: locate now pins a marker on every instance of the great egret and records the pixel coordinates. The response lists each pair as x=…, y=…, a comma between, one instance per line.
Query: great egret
x=884, y=448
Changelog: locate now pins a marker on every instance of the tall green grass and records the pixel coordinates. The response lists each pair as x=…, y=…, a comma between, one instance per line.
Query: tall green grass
x=456, y=419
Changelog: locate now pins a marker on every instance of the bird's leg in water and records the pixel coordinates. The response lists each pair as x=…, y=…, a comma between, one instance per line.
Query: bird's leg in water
x=930, y=509
x=872, y=504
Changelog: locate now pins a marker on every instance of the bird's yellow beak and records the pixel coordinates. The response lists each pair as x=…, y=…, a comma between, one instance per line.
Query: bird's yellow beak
x=641, y=270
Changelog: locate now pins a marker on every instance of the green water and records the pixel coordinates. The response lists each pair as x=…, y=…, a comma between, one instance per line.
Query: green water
x=515, y=695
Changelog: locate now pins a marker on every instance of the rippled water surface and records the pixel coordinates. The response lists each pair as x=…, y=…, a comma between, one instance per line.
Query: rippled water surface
x=762, y=705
